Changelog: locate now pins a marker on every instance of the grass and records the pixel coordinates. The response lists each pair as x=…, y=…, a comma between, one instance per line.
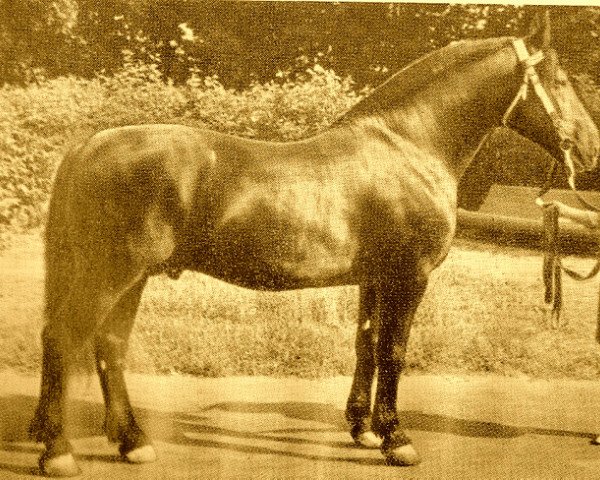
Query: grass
x=479, y=316
x=204, y=327
x=482, y=314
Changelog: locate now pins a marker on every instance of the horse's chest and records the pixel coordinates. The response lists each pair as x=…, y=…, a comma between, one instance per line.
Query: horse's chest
x=419, y=208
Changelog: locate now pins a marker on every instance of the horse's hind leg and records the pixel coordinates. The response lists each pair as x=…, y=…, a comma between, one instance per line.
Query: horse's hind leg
x=358, y=408
x=73, y=313
x=48, y=423
x=111, y=348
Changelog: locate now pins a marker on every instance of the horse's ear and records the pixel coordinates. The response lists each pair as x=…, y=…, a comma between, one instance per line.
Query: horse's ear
x=539, y=31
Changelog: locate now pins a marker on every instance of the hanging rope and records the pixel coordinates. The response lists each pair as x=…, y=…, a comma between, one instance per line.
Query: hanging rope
x=551, y=267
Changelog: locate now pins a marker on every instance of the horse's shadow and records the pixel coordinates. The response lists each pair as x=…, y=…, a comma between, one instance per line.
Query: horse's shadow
x=199, y=430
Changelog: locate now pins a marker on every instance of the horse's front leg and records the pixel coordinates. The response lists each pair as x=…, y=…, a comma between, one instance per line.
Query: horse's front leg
x=358, y=408
x=399, y=301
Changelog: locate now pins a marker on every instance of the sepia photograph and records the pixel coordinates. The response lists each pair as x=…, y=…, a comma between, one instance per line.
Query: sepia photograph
x=299, y=240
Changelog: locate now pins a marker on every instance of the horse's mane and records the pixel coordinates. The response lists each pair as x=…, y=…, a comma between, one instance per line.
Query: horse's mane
x=421, y=72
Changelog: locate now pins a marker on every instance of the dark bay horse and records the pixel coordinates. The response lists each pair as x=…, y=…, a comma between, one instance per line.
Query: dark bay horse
x=371, y=201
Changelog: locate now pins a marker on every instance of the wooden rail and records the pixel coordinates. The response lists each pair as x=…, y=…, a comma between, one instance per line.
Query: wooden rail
x=524, y=232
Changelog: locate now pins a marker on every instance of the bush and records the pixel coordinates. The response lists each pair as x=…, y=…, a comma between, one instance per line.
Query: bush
x=41, y=120
x=286, y=109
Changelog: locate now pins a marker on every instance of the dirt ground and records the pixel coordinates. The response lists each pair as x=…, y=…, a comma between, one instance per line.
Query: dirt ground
x=464, y=428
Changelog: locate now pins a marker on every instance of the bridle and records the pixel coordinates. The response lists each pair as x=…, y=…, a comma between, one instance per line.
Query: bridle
x=552, y=261
x=531, y=78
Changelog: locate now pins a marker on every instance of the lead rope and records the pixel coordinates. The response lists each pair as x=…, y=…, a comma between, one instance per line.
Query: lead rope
x=552, y=267
x=551, y=272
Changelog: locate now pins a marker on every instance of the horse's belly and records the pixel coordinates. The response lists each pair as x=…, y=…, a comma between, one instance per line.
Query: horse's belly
x=268, y=275
x=272, y=260
x=285, y=234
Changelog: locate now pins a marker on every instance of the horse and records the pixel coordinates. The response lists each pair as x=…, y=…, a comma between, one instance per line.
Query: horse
x=371, y=201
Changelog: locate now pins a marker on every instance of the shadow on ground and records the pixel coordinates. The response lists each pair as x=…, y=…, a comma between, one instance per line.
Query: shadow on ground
x=185, y=429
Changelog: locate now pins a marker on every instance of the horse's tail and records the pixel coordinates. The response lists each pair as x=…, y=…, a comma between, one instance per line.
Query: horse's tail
x=59, y=255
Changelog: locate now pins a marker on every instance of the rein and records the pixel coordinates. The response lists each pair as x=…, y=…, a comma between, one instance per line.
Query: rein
x=551, y=268
x=552, y=265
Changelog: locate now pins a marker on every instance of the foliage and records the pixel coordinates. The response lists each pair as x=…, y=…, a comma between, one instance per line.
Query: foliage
x=36, y=35
x=452, y=22
x=242, y=42
x=287, y=109
x=41, y=120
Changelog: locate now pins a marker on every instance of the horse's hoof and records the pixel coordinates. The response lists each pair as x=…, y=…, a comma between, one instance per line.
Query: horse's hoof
x=59, y=466
x=403, y=456
x=368, y=440
x=145, y=454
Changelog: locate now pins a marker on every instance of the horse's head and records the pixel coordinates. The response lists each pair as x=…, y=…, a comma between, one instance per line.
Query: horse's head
x=547, y=109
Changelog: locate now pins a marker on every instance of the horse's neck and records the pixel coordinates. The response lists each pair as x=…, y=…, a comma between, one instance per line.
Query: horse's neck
x=453, y=115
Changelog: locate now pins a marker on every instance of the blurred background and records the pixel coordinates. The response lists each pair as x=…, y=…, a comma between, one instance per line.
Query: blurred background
x=242, y=42
x=278, y=71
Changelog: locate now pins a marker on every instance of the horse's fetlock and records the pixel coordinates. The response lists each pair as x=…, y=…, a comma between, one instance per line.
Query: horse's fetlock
x=132, y=440
x=121, y=427
x=43, y=428
x=118, y=425
x=356, y=418
x=384, y=423
x=396, y=438
x=112, y=429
